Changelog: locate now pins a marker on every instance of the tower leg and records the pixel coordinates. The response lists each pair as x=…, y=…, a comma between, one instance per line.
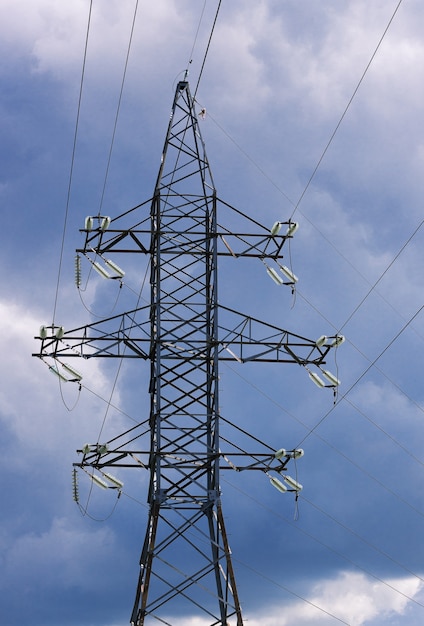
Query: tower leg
x=137, y=616
x=176, y=564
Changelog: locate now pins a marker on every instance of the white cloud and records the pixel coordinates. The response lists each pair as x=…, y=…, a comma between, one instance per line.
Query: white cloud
x=54, y=33
x=27, y=26
x=31, y=404
x=352, y=598
x=253, y=46
x=389, y=402
x=249, y=48
x=235, y=62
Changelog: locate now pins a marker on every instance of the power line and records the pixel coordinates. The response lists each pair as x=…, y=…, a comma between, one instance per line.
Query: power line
x=342, y=525
x=318, y=164
x=312, y=176
x=296, y=205
x=381, y=429
x=391, y=342
x=316, y=434
x=331, y=549
x=118, y=106
x=197, y=34
x=256, y=571
x=207, y=49
x=362, y=354
x=68, y=197
x=382, y=275
x=368, y=543
x=339, y=252
x=289, y=591
x=330, y=445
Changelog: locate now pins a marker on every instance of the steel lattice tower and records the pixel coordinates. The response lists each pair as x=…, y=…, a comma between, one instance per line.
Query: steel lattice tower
x=184, y=461
x=185, y=564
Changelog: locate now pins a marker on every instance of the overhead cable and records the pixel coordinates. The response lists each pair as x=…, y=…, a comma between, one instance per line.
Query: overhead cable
x=197, y=34
x=207, y=48
x=382, y=275
x=312, y=176
x=118, y=107
x=72, y=165
x=330, y=548
x=391, y=342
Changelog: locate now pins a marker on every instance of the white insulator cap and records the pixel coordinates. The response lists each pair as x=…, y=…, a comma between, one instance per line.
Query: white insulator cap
x=56, y=372
x=292, y=229
x=113, y=480
x=321, y=341
x=278, y=484
x=99, y=482
x=88, y=224
x=60, y=331
x=100, y=270
x=280, y=453
x=275, y=277
x=113, y=266
x=293, y=483
x=297, y=454
x=43, y=332
x=338, y=340
x=333, y=379
x=276, y=228
x=316, y=379
x=72, y=371
x=289, y=274
x=105, y=223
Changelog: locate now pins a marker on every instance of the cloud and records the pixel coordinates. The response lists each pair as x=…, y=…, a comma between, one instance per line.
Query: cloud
x=351, y=598
x=54, y=34
x=30, y=28
x=27, y=383
x=394, y=412
x=58, y=557
x=277, y=78
x=46, y=548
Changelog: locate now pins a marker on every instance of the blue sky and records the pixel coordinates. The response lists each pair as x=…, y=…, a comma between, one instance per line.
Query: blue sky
x=277, y=81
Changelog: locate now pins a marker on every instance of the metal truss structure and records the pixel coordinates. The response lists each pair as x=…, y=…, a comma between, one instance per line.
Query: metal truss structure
x=185, y=564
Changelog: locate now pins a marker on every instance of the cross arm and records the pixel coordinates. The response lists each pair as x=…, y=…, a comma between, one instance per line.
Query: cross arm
x=244, y=339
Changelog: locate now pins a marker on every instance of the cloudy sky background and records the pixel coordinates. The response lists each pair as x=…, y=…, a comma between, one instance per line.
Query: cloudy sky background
x=278, y=78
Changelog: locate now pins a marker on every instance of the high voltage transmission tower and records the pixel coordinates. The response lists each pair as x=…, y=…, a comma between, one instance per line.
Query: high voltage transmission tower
x=185, y=564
